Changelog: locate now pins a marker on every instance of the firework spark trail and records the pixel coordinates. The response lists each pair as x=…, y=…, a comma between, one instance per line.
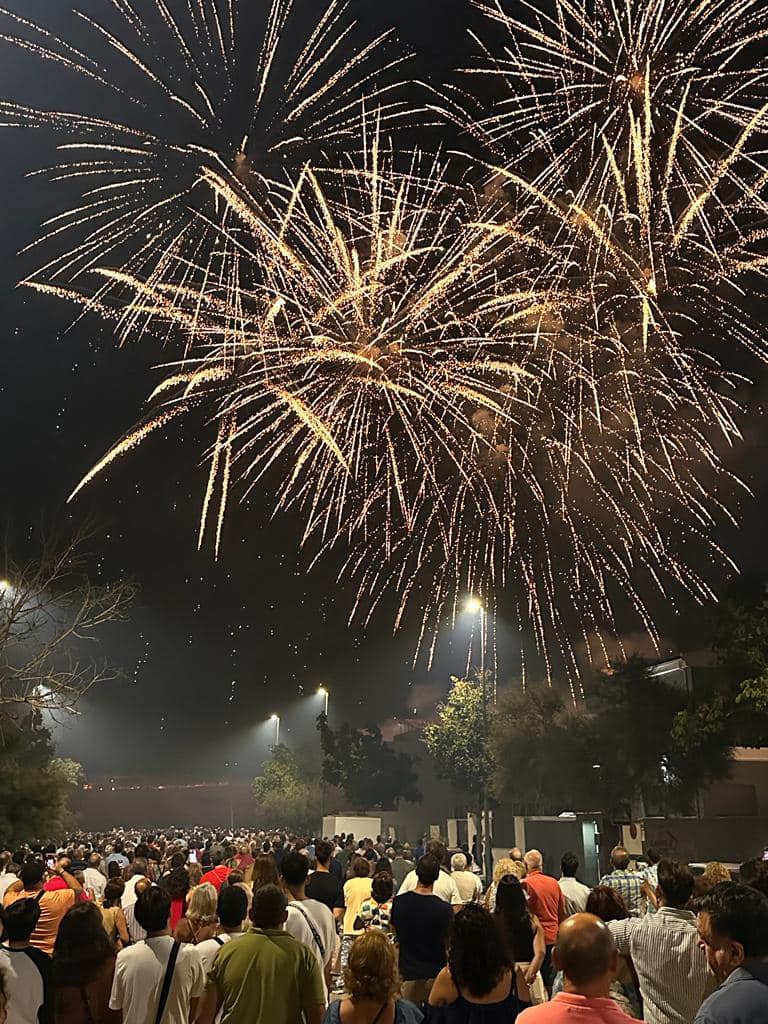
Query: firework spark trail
x=522, y=389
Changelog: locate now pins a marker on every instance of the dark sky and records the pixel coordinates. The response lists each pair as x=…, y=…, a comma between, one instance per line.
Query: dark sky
x=212, y=649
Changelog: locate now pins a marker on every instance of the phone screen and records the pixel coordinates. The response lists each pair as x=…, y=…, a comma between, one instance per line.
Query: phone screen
x=50, y=862
x=192, y=857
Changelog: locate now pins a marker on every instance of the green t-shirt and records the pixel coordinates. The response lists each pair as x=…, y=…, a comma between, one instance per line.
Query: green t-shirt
x=266, y=977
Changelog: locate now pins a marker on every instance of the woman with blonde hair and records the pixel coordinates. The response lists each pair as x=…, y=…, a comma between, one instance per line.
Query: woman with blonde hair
x=501, y=869
x=201, y=920
x=372, y=985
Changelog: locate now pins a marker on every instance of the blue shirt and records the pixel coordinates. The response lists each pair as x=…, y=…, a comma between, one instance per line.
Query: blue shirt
x=741, y=999
x=405, y=1013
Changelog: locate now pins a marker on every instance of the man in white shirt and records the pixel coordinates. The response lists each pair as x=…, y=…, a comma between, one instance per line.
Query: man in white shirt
x=26, y=970
x=575, y=893
x=232, y=911
x=139, y=871
x=309, y=921
x=444, y=887
x=468, y=884
x=7, y=872
x=94, y=877
x=140, y=970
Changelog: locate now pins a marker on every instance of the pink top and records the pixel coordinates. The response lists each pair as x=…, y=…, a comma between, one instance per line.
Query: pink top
x=573, y=1009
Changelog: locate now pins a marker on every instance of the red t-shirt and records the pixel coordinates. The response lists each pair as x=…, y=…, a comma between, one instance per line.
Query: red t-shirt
x=546, y=901
x=218, y=876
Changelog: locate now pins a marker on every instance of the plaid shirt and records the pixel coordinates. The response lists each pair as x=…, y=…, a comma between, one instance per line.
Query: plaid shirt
x=629, y=885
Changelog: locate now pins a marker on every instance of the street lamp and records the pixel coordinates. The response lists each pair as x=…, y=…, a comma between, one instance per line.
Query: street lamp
x=474, y=606
x=322, y=692
x=276, y=720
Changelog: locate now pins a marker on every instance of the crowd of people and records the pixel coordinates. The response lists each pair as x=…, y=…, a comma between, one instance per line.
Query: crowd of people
x=272, y=928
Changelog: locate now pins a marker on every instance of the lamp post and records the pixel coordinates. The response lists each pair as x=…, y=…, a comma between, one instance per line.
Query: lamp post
x=323, y=692
x=276, y=720
x=474, y=606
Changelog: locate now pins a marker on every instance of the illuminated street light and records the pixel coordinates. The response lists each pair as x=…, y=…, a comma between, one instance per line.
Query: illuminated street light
x=473, y=605
x=322, y=692
x=276, y=720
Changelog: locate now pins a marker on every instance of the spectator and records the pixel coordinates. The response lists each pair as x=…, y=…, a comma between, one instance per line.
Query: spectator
x=200, y=921
x=232, y=911
x=83, y=968
x=467, y=883
x=479, y=977
x=629, y=883
x=733, y=927
x=524, y=937
x=547, y=904
x=116, y=857
x=650, y=876
x=714, y=873
x=445, y=886
x=575, y=892
x=755, y=874
x=372, y=985
x=400, y=867
x=177, y=886
x=420, y=921
x=586, y=954
x=53, y=905
x=324, y=885
x=27, y=970
x=664, y=948
x=502, y=868
x=309, y=921
x=376, y=912
x=139, y=872
x=357, y=889
x=8, y=871
x=95, y=879
x=267, y=976
x=141, y=969
x=112, y=915
x=218, y=874
x=264, y=871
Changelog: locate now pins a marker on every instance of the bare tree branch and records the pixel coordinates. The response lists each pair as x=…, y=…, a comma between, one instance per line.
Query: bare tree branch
x=50, y=609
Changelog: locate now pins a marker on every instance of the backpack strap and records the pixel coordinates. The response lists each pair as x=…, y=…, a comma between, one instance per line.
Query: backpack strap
x=167, y=981
x=315, y=933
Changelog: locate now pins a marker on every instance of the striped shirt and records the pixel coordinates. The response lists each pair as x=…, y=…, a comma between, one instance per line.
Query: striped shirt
x=629, y=885
x=672, y=969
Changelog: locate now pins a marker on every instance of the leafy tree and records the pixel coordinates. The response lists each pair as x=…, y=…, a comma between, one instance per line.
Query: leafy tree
x=623, y=744
x=741, y=646
x=371, y=772
x=36, y=785
x=285, y=794
x=458, y=739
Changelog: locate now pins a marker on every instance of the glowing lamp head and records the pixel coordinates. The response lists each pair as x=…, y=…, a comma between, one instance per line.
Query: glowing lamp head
x=473, y=606
x=321, y=691
x=273, y=718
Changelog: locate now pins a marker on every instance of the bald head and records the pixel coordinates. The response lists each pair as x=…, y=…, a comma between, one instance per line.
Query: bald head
x=533, y=860
x=586, y=954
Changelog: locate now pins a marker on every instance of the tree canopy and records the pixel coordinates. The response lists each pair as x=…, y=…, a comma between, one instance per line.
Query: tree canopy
x=373, y=775
x=458, y=738
x=285, y=794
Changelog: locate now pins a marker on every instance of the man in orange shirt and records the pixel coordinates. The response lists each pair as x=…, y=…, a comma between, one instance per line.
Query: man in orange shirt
x=546, y=901
x=53, y=904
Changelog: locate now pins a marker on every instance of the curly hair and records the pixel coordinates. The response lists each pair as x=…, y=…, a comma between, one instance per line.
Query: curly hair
x=371, y=971
x=82, y=946
x=202, y=902
x=477, y=958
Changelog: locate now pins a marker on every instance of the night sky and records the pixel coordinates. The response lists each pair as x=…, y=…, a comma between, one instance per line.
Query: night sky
x=213, y=648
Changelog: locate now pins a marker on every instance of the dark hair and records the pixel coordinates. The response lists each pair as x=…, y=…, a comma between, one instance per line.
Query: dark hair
x=113, y=892
x=178, y=883
x=82, y=946
x=31, y=873
x=294, y=868
x=232, y=908
x=119, y=846
x=140, y=866
x=607, y=903
x=739, y=913
x=382, y=886
x=436, y=849
x=114, y=870
x=513, y=916
x=652, y=856
x=428, y=869
x=755, y=874
x=268, y=907
x=476, y=958
x=383, y=866
x=153, y=908
x=360, y=867
x=178, y=860
x=323, y=851
x=569, y=864
x=676, y=883
x=20, y=919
